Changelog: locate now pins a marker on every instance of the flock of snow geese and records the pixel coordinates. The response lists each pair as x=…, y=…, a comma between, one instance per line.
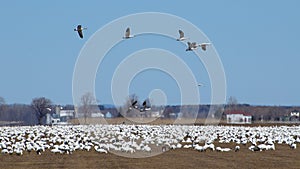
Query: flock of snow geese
x=144, y=138
x=191, y=45
x=134, y=105
x=130, y=139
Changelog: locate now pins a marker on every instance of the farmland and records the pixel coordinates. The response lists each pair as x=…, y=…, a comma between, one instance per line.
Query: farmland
x=283, y=157
x=149, y=146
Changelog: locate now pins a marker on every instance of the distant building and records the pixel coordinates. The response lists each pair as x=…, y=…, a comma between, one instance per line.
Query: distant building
x=66, y=115
x=173, y=115
x=238, y=117
x=155, y=114
x=294, y=115
x=60, y=116
x=108, y=115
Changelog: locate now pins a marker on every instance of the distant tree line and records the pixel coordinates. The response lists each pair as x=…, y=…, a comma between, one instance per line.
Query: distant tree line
x=35, y=113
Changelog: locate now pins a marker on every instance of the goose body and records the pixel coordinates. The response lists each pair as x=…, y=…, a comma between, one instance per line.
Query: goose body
x=204, y=45
x=133, y=104
x=145, y=107
x=127, y=34
x=79, y=29
x=191, y=46
x=181, y=36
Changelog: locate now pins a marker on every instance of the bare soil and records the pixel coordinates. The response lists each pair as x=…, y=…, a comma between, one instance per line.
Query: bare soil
x=282, y=157
x=160, y=121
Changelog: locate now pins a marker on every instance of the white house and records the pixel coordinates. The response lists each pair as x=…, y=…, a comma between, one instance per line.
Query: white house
x=108, y=115
x=295, y=113
x=155, y=114
x=97, y=115
x=60, y=116
x=294, y=116
x=238, y=117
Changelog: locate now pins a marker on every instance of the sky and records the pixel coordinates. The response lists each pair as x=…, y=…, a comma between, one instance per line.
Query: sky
x=257, y=42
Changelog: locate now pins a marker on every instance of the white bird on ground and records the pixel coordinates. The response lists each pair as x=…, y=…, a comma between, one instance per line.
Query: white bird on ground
x=199, y=148
x=100, y=150
x=293, y=146
x=237, y=148
x=188, y=146
x=223, y=149
x=210, y=146
x=56, y=150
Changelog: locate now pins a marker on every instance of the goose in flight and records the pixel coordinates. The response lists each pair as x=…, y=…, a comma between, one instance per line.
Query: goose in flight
x=133, y=105
x=194, y=45
x=181, y=36
x=79, y=30
x=204, y=45
x=145, y=108
x=191, y=46
x=127, y=34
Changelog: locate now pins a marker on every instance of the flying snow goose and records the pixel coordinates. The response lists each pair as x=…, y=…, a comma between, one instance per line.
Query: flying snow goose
x=127, y=34
x=79, y=29
x=191, y=46
x=194, y=45
x=204, y=45
x=145, y=108
x=133, y=104
x=181, y=36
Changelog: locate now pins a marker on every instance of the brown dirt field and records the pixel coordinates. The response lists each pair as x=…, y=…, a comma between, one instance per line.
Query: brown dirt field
x=282, y=157
x=159, y=121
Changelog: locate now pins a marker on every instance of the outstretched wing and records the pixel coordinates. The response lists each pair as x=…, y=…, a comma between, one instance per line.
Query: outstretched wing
x=181, y=34
x=80, y=33
x=134, y=103
x=189, y=44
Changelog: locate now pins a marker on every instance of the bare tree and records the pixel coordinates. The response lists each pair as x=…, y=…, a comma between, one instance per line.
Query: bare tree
x=2, y=101
x=41, y=106
x=219, y=111
x=232, y=103
x=2, y=106
x=88, y=103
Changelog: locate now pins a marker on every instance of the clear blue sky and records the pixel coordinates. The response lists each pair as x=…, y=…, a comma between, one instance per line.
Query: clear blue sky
x=258, y=43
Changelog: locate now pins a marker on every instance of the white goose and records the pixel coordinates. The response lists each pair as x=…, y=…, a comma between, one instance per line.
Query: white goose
x=204, y=45
x=200, y=84
x=127, y=34
x=79, y=29
x=145, y=106
x=191, y=46
x=181, y=36
x=194, y=46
